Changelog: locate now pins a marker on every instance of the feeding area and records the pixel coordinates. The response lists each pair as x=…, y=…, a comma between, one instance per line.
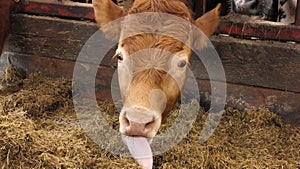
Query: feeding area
x=39, y=129
x=63, y=107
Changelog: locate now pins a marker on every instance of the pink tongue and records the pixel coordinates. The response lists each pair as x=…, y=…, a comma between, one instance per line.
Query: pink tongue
x=140, y=150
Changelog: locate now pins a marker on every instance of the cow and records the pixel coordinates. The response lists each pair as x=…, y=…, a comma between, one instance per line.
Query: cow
x=287, y=11
x=5, y=8
x=149, y=93
x=266, y=9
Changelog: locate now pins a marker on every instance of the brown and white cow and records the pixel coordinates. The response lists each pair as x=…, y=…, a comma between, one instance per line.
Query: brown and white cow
x=149, y=93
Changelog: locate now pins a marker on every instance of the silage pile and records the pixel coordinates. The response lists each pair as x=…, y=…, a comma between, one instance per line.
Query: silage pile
x=39, y=129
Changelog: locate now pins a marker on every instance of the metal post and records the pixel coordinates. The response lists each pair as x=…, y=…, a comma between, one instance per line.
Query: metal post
x=199, y=7
x=297, y=17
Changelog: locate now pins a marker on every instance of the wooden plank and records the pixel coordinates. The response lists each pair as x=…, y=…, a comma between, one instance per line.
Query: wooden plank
x=272, y=65
x=55, y=68
x=284, y=103
x=257, y=63
x=242, y=97
x=50, y=37
x=247, y=27
x=65, y=49
x=47, y=66
x=52, y=27
x=65, y=9
x=45, y=46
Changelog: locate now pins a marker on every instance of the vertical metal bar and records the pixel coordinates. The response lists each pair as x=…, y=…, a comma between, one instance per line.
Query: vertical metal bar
x=297, y=17
x=199, y=7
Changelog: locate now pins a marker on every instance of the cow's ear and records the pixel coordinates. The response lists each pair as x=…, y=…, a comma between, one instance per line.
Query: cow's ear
x=105, y=12
x=208, y=24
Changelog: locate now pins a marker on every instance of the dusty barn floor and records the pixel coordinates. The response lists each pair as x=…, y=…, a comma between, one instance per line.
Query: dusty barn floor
x=39, y=129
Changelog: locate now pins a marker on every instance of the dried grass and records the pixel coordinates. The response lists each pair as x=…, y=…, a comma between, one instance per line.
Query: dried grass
x=39, y=129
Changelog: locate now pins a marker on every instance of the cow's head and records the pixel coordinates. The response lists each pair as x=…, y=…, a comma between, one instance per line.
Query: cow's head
x=152, y=67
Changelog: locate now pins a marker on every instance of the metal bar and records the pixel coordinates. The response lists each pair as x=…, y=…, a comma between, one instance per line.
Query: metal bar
x=199, y=7
x=297, y=18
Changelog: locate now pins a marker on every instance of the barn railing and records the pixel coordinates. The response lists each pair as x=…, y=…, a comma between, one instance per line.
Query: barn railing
x=233, y=26
x=258, y=72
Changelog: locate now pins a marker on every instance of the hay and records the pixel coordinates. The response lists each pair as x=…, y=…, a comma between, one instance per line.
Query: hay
x=39, y=129
x=11, y=79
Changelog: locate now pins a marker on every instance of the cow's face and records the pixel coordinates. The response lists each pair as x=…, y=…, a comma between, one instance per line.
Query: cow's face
x=150, y=81
x=151, y=68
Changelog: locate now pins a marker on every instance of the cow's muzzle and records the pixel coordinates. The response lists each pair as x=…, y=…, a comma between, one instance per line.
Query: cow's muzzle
x=139, y=123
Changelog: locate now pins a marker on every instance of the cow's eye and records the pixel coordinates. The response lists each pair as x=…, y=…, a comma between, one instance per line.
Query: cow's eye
x=119, y=57
x=181, y=63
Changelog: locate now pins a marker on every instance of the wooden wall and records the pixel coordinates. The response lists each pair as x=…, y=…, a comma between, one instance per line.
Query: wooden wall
x=259, y=73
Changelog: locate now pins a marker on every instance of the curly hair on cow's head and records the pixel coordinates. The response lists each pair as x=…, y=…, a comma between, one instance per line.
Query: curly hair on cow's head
x=180, y=8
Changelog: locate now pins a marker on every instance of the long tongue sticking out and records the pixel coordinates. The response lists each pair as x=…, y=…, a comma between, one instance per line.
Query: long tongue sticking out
x=140, y=150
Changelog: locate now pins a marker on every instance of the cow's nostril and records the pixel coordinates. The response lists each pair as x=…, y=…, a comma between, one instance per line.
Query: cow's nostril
x=126, y=122
x=150, y=124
